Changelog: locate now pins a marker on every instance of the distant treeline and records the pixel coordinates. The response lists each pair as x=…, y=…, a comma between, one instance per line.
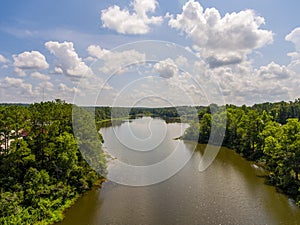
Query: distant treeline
x=15, y=104
x=104, y=113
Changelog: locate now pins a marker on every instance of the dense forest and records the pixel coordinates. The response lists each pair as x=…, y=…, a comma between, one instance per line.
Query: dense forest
x=267, y=133
x=42, y=171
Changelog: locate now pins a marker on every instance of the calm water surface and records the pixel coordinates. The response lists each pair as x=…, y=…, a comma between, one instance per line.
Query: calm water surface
x=230, y=191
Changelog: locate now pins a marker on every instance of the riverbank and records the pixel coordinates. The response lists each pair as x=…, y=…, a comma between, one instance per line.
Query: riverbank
x=110, y=122
x=229, y=192
x=260, y=163
x=267, y=133
x=60, y=213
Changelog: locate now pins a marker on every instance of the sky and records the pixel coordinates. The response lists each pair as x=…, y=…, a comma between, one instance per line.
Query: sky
x=149, y=52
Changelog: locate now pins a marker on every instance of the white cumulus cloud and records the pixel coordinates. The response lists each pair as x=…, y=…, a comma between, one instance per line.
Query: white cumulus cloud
x=58, y=70
x=20, y=72
x=65, y=88
x=3, y=59
x=222, y=40
x=166, y=68
x=48, y=86
x=97, y=52
x=30, y=60
x=68, y=60
x=294, y=37
x=137, y=22
x=274, y=71
x=115, y=61
x=18, y=85
x=39, y=76
x=33, y=60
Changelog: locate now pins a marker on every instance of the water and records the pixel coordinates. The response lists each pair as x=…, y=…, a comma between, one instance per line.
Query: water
x=230, y=191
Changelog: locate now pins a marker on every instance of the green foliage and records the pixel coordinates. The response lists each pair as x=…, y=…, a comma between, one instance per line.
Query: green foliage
x=192, y=133
x=204, y=128
x=89, y=139
x=42, y=171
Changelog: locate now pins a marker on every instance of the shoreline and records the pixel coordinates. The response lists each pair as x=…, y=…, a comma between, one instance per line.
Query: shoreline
x=62, y=211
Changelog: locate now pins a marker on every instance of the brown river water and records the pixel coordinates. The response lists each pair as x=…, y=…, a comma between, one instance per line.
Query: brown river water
x=231, y=191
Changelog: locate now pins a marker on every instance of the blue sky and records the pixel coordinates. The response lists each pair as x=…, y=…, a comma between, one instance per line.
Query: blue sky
x=250, y=50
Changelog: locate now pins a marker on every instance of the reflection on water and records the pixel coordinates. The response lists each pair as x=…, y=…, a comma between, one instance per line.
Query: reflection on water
x=230, y=191
x=145, y=141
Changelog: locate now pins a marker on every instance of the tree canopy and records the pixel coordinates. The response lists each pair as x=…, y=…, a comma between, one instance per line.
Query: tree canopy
x=42, y=170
